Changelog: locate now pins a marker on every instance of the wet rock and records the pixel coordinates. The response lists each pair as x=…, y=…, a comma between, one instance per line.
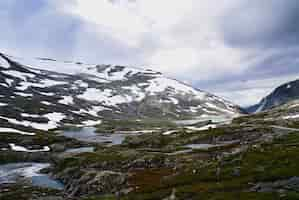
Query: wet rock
x=58, y=147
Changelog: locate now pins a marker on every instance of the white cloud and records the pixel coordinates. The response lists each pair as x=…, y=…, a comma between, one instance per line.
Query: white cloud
x=119, y=20
x=185, y=34
x=200, y=41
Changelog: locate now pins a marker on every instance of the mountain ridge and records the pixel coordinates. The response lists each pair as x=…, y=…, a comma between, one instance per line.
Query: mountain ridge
x=96, y=92
x=282, y=94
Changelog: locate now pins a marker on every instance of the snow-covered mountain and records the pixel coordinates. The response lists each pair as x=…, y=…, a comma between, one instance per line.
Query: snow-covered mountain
x=31, y=98
x=281, y=95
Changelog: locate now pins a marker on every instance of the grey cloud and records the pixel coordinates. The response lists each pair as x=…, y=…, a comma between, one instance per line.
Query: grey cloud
x=36, y=28
x=267, y=29
x=262, y=23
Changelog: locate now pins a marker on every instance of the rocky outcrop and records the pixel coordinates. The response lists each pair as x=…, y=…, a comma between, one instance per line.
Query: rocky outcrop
x=291, y=184
x=92, y=181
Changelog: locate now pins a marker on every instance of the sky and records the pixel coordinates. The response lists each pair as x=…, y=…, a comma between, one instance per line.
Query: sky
x=237, y=49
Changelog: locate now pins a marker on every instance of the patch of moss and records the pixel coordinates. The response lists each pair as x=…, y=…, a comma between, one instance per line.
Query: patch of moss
x=217, y=179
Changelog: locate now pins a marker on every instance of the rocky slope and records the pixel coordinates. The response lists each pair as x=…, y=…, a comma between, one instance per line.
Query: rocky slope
x=281, y=95
x=33, y=99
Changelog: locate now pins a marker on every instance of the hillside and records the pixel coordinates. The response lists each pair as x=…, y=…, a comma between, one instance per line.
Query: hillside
x=34, y=99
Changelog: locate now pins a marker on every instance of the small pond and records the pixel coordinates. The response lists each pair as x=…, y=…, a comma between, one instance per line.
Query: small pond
x=89, y=134
x=14, y=172
x=80, y=150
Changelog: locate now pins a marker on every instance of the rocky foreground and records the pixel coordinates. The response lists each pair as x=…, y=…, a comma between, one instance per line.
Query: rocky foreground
x=253, y=157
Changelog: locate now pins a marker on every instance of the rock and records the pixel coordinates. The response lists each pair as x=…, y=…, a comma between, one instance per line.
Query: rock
x=236, y=172
x=172, y=196
x=94, y=182
x=281, y=185
x=151, y=161
x=49, y=198
x=58, y=147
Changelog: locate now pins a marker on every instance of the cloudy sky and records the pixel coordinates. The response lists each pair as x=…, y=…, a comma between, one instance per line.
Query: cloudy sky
x=238, y=49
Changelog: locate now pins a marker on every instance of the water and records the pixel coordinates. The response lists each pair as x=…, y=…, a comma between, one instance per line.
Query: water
x=45, y=181
x=214, y=119
x=14, y=172
x=179, y=152
x=80, y=150
x=88, y=134
x=201, y=146
x=208, y=146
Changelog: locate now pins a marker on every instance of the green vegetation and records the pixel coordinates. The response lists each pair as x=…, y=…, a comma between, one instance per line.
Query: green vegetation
x=25, y=192
x=237, y=174
x=268, y=157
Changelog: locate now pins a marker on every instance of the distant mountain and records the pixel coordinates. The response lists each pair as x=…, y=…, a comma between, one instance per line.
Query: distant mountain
x=281, y=95
x=35, y=99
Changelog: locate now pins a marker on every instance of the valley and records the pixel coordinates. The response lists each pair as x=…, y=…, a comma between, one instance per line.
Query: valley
x=111, y=132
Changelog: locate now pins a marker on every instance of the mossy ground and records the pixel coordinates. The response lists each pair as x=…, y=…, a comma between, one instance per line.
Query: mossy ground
x=270, y=162
x=22, y=192
x=199, y=174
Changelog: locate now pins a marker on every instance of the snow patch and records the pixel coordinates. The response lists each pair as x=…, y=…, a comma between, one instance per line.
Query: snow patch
x=11, y=130
x=169, y=132
x=43, y=84
x=262, y=106
x=46, y=103
x=113, y=73
x=160, y=84
x=81, y=83
x=21, y=75
x=91, y=122
x=67, y=100
x=4, y=63
x=23, y=149
x=204, y=128
x=54, y=119
x=294, y=106
x=93, y=111
x=138, y=94
x=220, y=109
x=50, y=83
x=24, y=94
x=47, y=93
x=30, y=115
x=291, y=116
x=9, y=81
x=104, y=96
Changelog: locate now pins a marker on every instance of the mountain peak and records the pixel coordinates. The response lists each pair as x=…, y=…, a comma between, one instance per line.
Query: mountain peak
x=283, y=94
